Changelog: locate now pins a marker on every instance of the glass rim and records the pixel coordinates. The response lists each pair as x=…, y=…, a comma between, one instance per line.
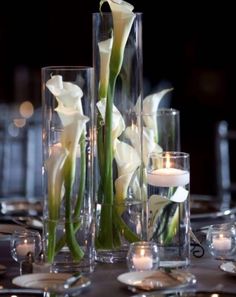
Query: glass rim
x=169, y=154
x=110, y=13
x=162, y=111
x=143, y=244
x=67, y=68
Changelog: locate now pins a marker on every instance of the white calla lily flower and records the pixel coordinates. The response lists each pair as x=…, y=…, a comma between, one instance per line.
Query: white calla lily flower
x=118, y=124
x=149, y=144
x=105, y=48
x=70, y=111
x=127, y=160
x=123, y=18
x=150, y=106
x=66, y=93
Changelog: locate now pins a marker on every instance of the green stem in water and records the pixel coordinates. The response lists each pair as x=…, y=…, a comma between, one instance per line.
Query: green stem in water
x=62, y=241
x=129, y=235
x=75, y=249
x=51, y=240
x=82, y=176
x=52, y=224
x=76, y=225
x=106, y=229
x=173, y=227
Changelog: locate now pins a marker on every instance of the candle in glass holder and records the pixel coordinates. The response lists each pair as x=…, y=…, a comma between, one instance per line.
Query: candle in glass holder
x=168, y=177
x=23, y=248
x=143, y=256
x=221, y=242
x=142, y=261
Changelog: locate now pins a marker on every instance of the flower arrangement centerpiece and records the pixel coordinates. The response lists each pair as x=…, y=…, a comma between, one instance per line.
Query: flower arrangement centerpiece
x=67, y=147
x=120, y=203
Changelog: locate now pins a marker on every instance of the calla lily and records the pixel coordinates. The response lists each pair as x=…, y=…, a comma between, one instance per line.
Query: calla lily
x=123, y=18
x=150, y=106
x=109, y=147
x=149, y=144
x=70, y=112
x=66, y=93
x=156, y=203
x=127, y=160
x=118, y=124
x=105, y=55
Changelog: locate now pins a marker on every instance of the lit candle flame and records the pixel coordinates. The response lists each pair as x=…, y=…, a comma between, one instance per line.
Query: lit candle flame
x=142, y=252
x=168, y=160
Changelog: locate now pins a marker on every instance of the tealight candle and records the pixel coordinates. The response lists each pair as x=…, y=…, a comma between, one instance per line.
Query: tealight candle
x=143, y=256
x=221, y=243
x=221, y=240
x=142, y=261
x=22, y=249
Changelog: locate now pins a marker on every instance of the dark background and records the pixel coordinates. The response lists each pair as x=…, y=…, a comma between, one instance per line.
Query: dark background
x=188, y=45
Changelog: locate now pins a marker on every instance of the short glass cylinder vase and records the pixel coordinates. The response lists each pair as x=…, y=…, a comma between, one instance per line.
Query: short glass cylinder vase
x=221, y=240
x=143, y=256
x=120, y=211
x=67, y=94
x=168, y=180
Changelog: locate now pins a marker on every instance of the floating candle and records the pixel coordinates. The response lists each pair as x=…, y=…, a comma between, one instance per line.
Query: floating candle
x=168, y=177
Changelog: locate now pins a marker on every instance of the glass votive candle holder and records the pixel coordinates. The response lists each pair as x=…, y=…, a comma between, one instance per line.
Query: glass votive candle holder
x=24, y=243
x=143, y=256
x=221, y=240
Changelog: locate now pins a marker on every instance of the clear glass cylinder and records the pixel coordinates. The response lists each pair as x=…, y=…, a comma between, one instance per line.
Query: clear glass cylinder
x=120, y=211
x=164, y=124
x=67, y=94
x=168, y=180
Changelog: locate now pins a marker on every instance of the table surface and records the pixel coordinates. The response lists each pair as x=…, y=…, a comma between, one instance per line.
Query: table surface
x=104, y=278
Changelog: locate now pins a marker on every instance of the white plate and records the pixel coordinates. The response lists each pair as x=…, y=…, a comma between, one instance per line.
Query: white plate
x=154, y=280
x=229, y=267
x=51, y=282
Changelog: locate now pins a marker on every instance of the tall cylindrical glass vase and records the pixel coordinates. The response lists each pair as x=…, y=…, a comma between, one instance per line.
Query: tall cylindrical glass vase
x=67, y=94
x=120, y=207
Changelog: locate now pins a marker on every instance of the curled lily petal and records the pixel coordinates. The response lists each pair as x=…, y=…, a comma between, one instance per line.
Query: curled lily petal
x=149, y=144
x=151, y=102
x=150, y=106
x=105, y=55
x=66, y=93
x=123, y=18
x=127, y=159
x=121, y=185
x=118, y=124
x=70, y=115
x=72, y=132
x=180, y=195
